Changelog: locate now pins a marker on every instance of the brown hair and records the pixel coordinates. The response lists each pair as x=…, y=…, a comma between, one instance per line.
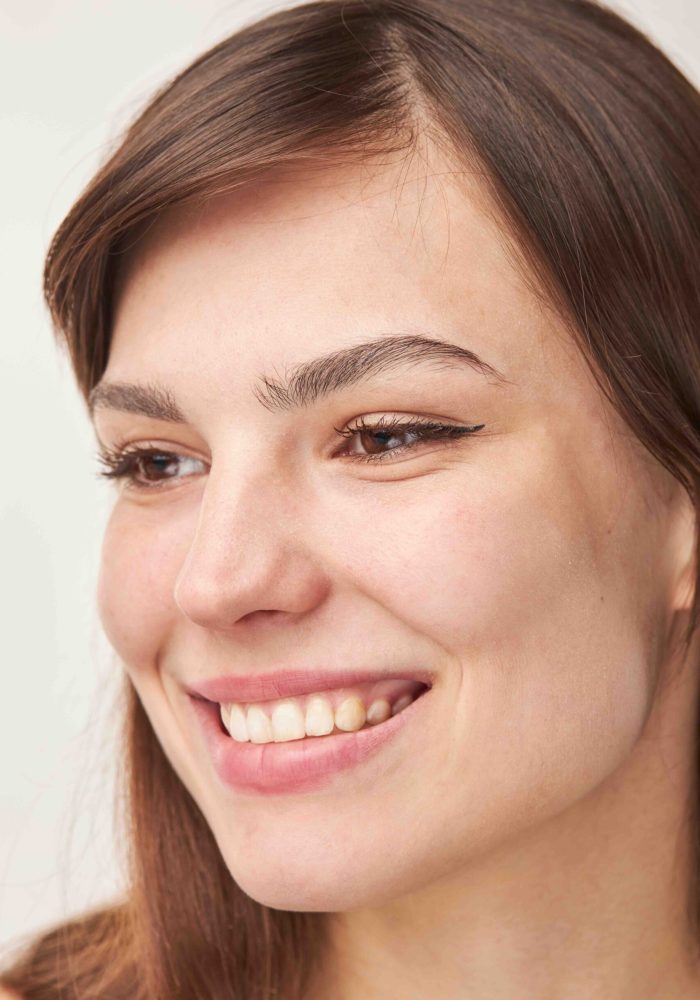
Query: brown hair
x=587, y=140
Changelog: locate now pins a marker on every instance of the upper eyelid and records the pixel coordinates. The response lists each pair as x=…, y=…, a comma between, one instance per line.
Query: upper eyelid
x=364, y=422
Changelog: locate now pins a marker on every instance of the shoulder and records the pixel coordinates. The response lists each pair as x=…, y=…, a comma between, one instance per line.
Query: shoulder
x=92, y=954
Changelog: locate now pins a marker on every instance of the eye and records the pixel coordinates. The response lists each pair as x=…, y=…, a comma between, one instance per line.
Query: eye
x=130, y=464
x=382, y=433
x=147, y=468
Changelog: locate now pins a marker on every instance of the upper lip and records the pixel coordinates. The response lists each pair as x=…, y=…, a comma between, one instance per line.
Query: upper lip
x=288, y=683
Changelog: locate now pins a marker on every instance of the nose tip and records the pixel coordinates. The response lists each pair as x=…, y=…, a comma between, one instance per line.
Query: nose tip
x=264, y=591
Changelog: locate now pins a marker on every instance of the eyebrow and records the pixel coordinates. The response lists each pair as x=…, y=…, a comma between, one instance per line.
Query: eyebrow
x=308, y=381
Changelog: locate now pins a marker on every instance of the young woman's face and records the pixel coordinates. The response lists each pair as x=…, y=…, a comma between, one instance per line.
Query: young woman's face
x=530, y=567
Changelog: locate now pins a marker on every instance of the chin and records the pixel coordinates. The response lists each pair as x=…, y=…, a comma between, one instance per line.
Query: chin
x=324, y=876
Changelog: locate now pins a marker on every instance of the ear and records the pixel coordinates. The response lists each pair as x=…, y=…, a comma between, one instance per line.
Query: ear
x=684, y=527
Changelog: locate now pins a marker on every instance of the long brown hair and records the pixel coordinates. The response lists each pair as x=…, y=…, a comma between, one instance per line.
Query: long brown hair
x=587, y=139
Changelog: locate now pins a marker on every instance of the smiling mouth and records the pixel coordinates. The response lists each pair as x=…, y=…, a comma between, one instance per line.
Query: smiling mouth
x=305, y=763
x=318, y=715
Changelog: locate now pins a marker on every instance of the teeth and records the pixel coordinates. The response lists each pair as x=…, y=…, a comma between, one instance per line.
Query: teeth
x=289, y=722
x=319, y=719
x=402, y=703
x=379, y=711
x=238, y=727
x=233, y=718
x=259, y=726
x=350, y=715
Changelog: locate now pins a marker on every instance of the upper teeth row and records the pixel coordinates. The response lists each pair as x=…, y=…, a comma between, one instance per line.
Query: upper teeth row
x=289, y=722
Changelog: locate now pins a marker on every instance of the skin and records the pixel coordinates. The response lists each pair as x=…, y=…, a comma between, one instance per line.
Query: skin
x=529, y=836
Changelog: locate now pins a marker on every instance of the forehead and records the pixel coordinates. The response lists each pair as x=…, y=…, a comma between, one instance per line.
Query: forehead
x=314, y=259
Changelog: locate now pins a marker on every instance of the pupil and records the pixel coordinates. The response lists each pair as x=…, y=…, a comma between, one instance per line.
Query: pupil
x=151, y=461
x=384, y=437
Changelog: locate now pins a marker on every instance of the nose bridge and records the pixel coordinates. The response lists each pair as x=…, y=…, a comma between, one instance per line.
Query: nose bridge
x=247, y=552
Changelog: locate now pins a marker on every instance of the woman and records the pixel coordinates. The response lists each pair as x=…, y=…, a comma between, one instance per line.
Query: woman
x=385, y=316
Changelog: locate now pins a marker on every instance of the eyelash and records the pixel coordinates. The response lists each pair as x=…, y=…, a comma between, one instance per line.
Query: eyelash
x=120, y=463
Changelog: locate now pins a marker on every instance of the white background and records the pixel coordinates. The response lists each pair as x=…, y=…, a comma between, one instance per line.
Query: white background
x=72, y=73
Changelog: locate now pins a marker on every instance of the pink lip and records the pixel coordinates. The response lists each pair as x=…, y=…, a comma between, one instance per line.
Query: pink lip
x=288, y=683
x=296, y=766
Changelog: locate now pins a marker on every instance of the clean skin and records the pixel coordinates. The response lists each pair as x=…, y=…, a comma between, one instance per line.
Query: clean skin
x=529, y=834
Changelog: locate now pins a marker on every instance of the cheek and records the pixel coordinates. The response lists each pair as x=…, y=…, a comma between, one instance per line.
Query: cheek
x=534, y=591
x=465, y=558
x=141, y=555
x=545, y=558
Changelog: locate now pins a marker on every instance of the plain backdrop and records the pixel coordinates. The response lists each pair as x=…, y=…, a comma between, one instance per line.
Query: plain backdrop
x=72, y=73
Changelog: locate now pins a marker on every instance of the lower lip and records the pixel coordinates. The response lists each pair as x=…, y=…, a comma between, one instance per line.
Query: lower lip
x=298, y=765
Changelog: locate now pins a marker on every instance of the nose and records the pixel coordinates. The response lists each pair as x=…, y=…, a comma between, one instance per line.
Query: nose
x=248, y=558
